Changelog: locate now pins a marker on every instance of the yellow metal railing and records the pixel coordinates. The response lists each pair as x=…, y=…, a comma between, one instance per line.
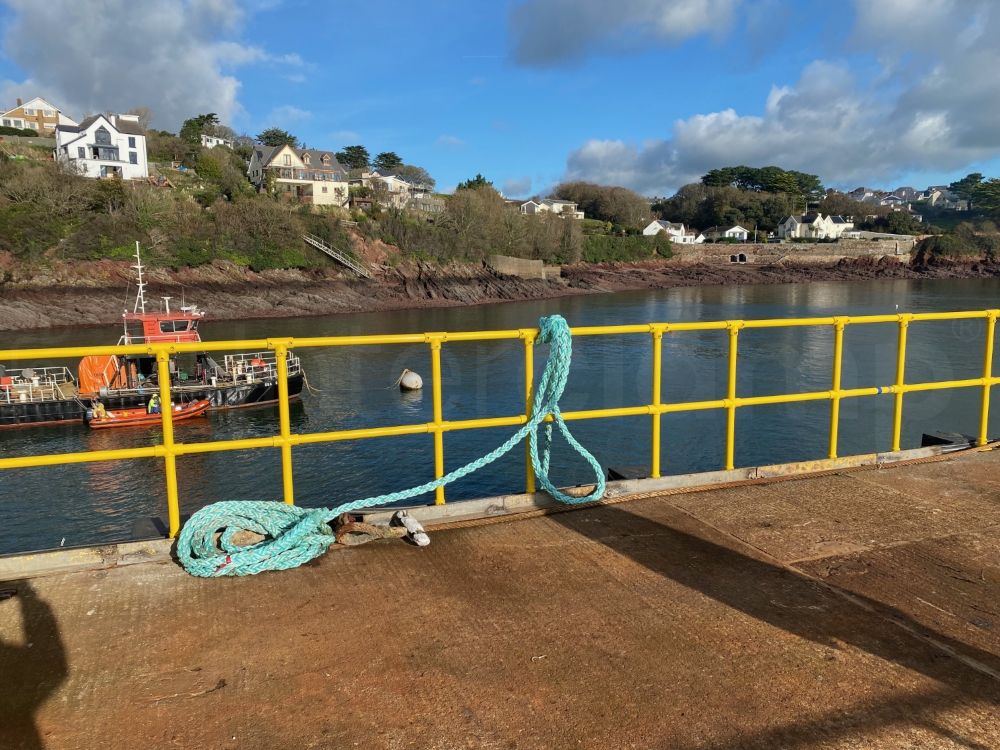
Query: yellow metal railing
x=285, y=440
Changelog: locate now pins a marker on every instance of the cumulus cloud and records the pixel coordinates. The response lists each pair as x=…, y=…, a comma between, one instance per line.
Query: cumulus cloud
x=517, y=187
x=925, y=110
x=175, y=56
x=555, y=32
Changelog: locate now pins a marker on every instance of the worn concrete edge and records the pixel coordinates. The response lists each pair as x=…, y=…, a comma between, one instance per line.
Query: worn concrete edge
x=52, y=562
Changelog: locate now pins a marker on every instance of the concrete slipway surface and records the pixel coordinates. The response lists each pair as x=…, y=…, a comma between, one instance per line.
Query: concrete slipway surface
x=853, y=610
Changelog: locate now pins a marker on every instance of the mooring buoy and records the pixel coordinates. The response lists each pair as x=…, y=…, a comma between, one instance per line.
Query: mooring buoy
x=410, y=381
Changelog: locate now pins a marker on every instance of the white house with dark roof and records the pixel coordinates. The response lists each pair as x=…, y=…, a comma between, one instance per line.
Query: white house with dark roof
x=306, y=175
x=104, y=146
x=735, y=232
x=677, y=232
x=561, y=208
x=211, y=141
x=814, y=225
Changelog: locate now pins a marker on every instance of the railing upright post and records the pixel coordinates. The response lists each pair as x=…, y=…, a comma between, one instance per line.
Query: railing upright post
x=438, y=417
x=529, y=398
x=897, y=417
x=169, y=457
x=984, y=415
x=734, y=332
x=657, y=382
x=838, y=361
x=285, y=422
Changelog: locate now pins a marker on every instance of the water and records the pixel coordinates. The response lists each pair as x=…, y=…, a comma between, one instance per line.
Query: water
x=96, y=503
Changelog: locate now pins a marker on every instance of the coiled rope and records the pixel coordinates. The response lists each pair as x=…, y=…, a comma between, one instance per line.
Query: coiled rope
x=295, y=535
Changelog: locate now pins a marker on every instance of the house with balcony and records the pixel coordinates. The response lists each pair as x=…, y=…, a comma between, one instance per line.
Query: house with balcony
x=37, y=114
x=104, y=146
x=304, y=175
x=563, y=209
x=403, y=190
x=211, y=141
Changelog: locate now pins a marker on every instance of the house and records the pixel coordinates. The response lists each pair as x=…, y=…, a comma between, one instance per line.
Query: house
x=104, y=146
x=861, y=194
x=693, y=237
x=907, y=193
x=731, y=232
x=37, y=114
x=892, y=200
x=299, y=174
x=678, y=234
x=402, y=189
x=210, y=141
x=552, y=205
x=814, y=225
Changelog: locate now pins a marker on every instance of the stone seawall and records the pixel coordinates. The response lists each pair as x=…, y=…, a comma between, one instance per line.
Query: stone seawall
x=793, y=252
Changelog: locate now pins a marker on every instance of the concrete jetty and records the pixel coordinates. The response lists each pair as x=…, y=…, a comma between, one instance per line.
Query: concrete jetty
x=859, y=609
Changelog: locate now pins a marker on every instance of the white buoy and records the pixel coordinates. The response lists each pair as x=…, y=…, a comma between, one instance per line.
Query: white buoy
x=410, y=381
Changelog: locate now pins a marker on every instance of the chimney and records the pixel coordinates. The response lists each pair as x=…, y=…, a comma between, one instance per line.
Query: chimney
x=18, y=101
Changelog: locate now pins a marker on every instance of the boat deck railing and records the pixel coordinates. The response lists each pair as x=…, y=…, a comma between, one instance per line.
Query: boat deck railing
x=259, y=366
x=285, y=441
x=42, y=384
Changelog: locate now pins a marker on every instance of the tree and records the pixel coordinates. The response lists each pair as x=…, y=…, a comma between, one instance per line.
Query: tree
x=615, y=204
x=967, y=186
x=277, y=137
x=987, y=195
x=476, y=182
x=145, y=115
x=787, y=184
x=766, y=180
x=387, y=161
x=195, y=127
x=354, y=157
x=416, y=173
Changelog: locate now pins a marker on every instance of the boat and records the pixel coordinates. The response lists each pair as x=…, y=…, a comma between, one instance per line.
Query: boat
x=99, y=418
x=126, y=381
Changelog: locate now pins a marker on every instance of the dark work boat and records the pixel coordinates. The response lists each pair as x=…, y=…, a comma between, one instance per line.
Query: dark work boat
x=51, y=395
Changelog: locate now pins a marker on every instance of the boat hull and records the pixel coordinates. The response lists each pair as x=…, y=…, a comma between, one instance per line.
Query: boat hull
x=139, y=417
x=73, y=411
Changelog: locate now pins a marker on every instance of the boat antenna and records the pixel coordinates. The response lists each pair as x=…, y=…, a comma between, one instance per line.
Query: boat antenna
x=140, y=297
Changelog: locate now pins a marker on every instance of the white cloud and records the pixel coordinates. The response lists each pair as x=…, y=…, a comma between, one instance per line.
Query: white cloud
x=286, y=115
x=517, y=187
x=554, y=32
x=174, y=56
x=933, y=106
x=449, y=143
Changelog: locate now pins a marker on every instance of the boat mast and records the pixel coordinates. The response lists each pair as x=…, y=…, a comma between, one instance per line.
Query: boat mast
x=140, y=297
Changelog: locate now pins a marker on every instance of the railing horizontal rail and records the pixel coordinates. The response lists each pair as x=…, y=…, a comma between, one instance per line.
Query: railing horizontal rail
x=286, y=440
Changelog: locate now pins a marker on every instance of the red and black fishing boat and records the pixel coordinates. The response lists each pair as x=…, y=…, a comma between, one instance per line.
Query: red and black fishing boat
x=127, y=381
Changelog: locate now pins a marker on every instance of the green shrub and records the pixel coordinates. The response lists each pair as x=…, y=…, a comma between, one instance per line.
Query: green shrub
x=209, y=168
x=23, y=132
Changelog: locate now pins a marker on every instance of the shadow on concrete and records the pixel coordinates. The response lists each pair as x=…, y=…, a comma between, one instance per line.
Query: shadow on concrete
x=29, y=671
x=800, y=606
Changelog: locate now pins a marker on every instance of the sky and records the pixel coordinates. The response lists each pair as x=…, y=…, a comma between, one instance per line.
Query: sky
x=647, y=94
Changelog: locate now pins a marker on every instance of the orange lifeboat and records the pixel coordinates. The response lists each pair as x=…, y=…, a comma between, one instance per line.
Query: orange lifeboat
x=99, y=418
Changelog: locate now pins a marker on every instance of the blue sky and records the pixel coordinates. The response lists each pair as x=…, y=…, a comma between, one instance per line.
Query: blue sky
x=644, y=93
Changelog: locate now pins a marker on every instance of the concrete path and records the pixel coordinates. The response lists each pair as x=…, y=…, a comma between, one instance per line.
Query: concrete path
x=860, y=610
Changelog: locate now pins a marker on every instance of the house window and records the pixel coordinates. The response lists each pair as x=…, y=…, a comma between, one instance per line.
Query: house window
x=33, y=125
x=336, y=176
x=81, y=152
x=131, y=141
x=325, y=159
x=133, y=157
x=305, y=158
x=29, y=113
x=301, y=174
x=49, y=112
x=102, y=137
x=286, y=173
x=324, y=188
x=288, y=160
x=7, y=124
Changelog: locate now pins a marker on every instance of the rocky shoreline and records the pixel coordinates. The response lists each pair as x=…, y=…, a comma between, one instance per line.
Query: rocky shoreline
x=95, y=293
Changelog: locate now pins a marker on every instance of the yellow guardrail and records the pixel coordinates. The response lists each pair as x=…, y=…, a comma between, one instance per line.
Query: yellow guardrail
x=285, y=440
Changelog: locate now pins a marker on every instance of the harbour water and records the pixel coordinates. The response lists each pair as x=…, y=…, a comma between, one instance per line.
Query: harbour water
x=352, y=388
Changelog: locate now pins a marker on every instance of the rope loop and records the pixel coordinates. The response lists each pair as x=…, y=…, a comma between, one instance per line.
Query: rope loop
x=293, y=535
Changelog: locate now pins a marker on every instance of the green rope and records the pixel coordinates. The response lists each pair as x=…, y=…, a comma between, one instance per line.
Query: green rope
x=295, y=535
